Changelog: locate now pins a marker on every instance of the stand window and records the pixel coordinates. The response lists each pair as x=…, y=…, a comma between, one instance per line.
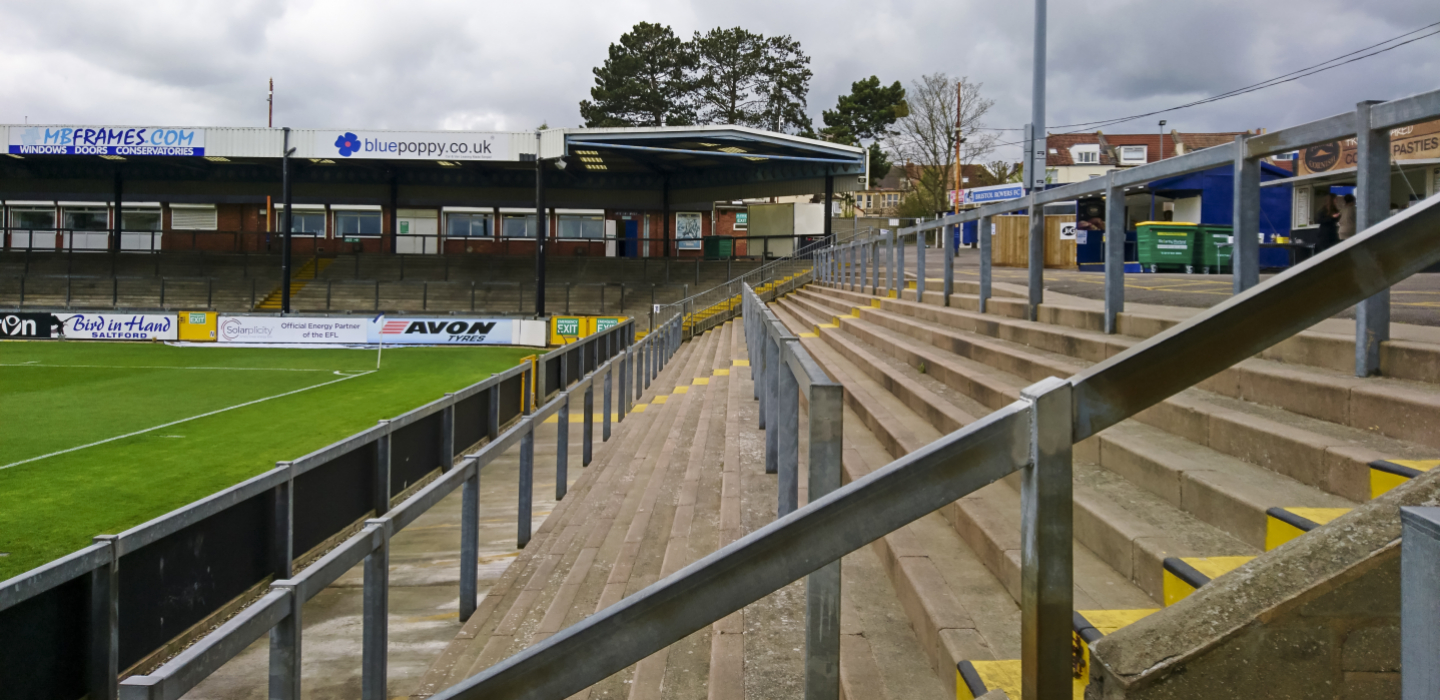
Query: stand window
x=468, y=225
x=518, y=226
x=582, y=226
x=357, y=223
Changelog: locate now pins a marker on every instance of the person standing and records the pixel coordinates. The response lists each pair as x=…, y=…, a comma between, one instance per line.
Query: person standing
x=1329, y=220
x=1346, y=223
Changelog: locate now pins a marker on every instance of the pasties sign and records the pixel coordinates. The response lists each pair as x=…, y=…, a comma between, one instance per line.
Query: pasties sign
x=446, y=331
x=107, y=141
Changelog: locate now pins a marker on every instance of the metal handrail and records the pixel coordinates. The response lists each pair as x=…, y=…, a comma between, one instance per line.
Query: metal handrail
x=725, y=298
x=278, y=612
x=1033, y=435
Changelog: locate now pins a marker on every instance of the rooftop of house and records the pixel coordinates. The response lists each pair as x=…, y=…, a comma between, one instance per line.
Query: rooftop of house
x=1062, y=148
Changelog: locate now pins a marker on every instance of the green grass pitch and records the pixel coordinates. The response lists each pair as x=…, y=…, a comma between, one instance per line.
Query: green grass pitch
x=57, y=396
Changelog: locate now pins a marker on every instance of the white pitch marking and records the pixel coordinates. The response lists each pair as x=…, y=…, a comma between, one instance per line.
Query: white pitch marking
x=186, y=420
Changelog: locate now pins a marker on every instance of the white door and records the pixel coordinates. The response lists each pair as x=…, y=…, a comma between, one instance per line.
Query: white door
x=417, y=232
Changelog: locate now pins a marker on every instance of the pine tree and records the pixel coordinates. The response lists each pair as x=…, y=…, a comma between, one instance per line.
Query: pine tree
x=643, y=82
x=727, y=67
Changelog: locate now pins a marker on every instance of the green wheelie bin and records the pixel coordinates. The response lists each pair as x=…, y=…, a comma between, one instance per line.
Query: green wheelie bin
x=1167, y=246
x=718, y=247
x=1217, y=245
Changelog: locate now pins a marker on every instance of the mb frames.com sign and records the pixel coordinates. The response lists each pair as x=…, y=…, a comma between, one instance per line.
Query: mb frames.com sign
x=106, y=141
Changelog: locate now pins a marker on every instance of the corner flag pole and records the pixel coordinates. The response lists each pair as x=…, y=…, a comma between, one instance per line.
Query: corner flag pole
x=380, y=348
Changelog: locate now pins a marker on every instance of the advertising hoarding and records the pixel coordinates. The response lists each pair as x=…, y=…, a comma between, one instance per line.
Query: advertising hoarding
x=294, y=329
x=106, y=141
x=989, y=193
x=446, y=331
x=27, y=325
x=120, y=326
x=413, y=145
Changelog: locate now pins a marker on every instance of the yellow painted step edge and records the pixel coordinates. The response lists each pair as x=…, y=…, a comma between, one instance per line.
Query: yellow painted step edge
x=1285, y=524
x=1182, y=576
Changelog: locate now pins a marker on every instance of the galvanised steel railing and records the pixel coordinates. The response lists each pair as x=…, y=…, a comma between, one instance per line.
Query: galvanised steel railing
x=69, y=628
x=1033, y=436
x=709, y=308
x=1370, y=125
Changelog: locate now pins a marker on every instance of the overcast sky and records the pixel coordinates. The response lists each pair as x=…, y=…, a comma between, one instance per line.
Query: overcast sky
x=427, y=64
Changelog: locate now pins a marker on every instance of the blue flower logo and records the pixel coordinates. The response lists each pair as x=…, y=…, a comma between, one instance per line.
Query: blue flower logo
x=348, y=143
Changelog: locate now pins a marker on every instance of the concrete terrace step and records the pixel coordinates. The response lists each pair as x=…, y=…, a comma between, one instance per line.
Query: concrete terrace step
x=678, y=479
x=576, y=555
x=1113, y=532
x=1314, y=454
x=1412, y=353
x=961, y=611
x=1218, y=489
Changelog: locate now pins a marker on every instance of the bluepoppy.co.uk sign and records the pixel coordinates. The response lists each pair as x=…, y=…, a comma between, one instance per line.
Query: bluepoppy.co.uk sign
x=414, y=145
x=106, y=141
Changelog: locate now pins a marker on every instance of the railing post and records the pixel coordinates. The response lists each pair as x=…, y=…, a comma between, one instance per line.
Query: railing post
x=987, y=244
x=285, y=645
x=1419, y=603
x=900, y=266
x=380, y=480
x=447, y=434
x=822, y=588
x=375, y=630
x=1245, y=255
x=1372, y=205
x=759, y=369
x=562, y=447
x=919, y=267
x=947, y=285
x=771, y=406
x=103, y=666
x=867, y=264
x=493, y=429
x=282, y=552
x=890, y=267
x=622, y=400
x=875, y=264
x=1114, y=252
x=526, y=484
x=637, y=369
x=587, y=441
x=1036, y=262
x=469, y=541
x=787, y=428
x=1047, y=544
x=605, y=405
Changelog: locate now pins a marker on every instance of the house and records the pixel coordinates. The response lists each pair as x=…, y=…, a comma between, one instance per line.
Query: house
x=1081, y=156
x=885, y=196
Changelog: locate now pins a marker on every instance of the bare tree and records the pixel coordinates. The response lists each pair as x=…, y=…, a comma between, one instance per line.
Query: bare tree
x=925, y=138
x=1004, y=171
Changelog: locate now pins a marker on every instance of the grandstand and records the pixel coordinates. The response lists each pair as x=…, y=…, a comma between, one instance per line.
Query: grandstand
x=236, y=282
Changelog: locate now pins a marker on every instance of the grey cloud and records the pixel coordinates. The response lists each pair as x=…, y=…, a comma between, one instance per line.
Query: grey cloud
x=439, y=63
